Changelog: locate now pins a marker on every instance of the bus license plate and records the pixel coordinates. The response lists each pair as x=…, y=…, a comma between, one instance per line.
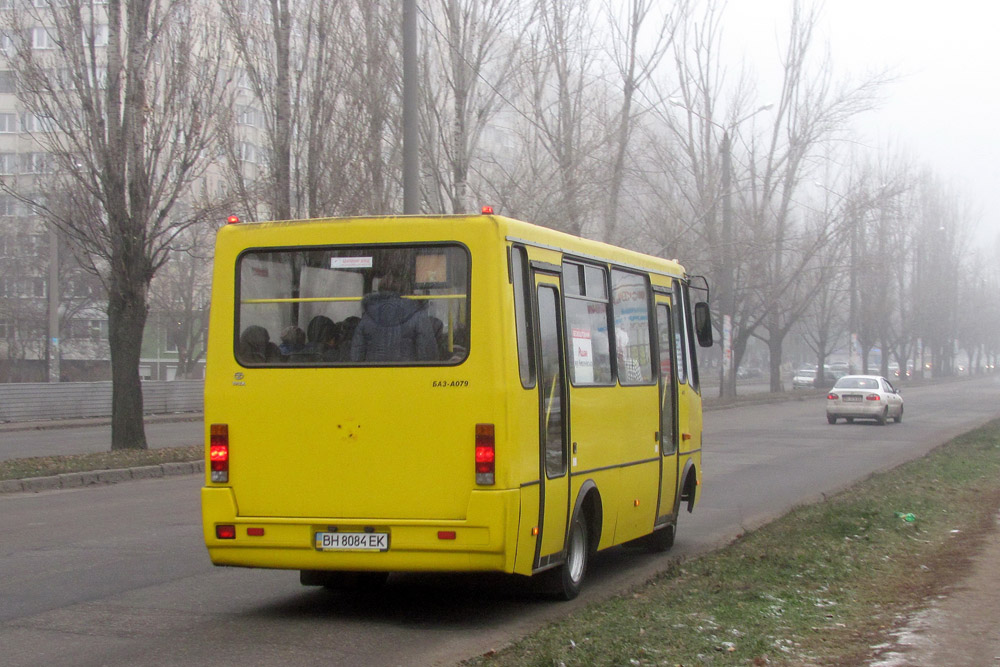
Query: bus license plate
x=352, y=541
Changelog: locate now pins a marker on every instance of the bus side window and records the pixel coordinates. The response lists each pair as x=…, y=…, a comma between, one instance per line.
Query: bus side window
x=690, y=342
x=630, y=299
x=680, y=334
x=522, y=316
x=585, y=294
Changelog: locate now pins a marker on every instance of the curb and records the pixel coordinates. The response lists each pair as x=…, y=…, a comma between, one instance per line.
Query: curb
x=75, y=480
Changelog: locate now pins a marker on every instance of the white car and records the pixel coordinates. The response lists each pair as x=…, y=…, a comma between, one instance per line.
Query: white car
x=864, y=397
x=804, y=378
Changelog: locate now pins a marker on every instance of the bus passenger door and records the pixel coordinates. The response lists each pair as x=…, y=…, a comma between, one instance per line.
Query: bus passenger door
x=553, y=425
x=668, y=409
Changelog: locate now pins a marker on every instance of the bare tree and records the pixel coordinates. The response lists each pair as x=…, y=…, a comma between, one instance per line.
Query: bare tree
x=811, y=110
x=566, y=97
x=635, y=65
x=470, y=50
x=701, y=119
x=942, y=228
x=180, y=294
x=313, y=130
x=128, y=117
x=22, y=335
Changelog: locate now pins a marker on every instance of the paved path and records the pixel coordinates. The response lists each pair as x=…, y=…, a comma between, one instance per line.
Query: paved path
x=62, y=437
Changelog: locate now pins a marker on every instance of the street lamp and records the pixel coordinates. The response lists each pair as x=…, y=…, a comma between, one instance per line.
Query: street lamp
x=727, y=380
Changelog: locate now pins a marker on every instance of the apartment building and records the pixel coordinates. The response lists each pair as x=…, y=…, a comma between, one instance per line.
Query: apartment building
x=53, y=319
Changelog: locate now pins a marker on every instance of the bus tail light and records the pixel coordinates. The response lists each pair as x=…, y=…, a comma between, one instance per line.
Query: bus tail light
x=225, y=532
x=218, y=452
x=485, y=455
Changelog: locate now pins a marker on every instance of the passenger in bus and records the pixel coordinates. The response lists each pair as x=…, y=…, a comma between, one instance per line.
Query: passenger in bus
x=346, y=328
x=629, y=368
x=293, y=340
x=393, y=328
x=255, y=346
x=322, y=337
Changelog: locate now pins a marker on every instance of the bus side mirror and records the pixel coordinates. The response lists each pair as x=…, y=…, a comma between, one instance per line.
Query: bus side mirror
x=703, y=323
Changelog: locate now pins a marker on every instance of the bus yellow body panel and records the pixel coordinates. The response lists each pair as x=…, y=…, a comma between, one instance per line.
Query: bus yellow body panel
x=319, y=439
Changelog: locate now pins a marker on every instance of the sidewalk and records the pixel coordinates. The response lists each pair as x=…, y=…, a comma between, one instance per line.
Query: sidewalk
x=89, y=478
x=959, y=625
x=44, y=424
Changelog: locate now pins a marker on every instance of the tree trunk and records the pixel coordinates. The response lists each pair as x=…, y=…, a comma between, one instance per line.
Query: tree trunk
x=127, y=312
x=774, y=345
x=282, y=157
x=739, y=348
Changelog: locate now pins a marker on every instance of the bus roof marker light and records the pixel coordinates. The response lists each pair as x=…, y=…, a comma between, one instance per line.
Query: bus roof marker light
x=232, y=220
x=487, y=209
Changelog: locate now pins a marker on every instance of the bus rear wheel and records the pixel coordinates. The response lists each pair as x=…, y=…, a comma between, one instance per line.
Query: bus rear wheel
x=566, y=580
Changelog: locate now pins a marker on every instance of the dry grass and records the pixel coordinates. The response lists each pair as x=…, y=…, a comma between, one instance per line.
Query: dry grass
x=43, y=466
x=821, y=586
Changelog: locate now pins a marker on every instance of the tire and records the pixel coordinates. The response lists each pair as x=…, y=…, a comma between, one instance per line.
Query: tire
x=344, y=581
x=660, y=540
x=899, y=417
x=882, y=418
x=831, y=419
x=566, y=580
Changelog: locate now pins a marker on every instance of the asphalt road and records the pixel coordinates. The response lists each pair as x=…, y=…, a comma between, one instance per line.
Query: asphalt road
x=118, y=574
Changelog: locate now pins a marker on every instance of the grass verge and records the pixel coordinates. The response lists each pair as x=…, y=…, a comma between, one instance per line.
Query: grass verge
x=42, y=466
x=820, y=586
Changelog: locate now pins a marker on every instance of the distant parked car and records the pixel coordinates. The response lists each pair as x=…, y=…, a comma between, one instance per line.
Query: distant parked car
x=804, y=378
x=864, y=397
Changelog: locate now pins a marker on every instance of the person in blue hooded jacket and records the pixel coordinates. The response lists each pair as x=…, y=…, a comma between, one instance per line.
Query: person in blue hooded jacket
x=393, y=328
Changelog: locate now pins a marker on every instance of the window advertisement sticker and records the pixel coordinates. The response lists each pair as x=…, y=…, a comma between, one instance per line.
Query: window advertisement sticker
x=350, y=262
x=583, y=356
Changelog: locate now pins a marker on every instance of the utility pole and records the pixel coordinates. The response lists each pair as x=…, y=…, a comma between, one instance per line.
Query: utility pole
x=853, y=353
x=53, y=293
x=727, y=383
x=411, y=139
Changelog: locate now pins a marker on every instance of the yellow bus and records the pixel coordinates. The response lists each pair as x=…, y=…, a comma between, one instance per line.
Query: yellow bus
x=445, y=393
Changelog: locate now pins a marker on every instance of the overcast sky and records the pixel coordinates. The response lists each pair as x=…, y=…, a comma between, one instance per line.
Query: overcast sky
x=944, y=110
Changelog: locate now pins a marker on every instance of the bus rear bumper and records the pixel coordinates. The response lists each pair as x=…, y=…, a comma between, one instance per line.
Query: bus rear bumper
x=484, y=541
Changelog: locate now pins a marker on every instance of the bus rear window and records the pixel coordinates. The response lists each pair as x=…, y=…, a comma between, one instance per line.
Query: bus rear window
x=353, y=305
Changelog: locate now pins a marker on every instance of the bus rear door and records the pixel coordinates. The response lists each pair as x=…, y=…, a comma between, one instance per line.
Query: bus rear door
x=553, y=422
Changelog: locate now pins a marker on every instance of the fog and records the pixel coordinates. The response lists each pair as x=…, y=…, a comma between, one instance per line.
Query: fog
x=941, y=110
